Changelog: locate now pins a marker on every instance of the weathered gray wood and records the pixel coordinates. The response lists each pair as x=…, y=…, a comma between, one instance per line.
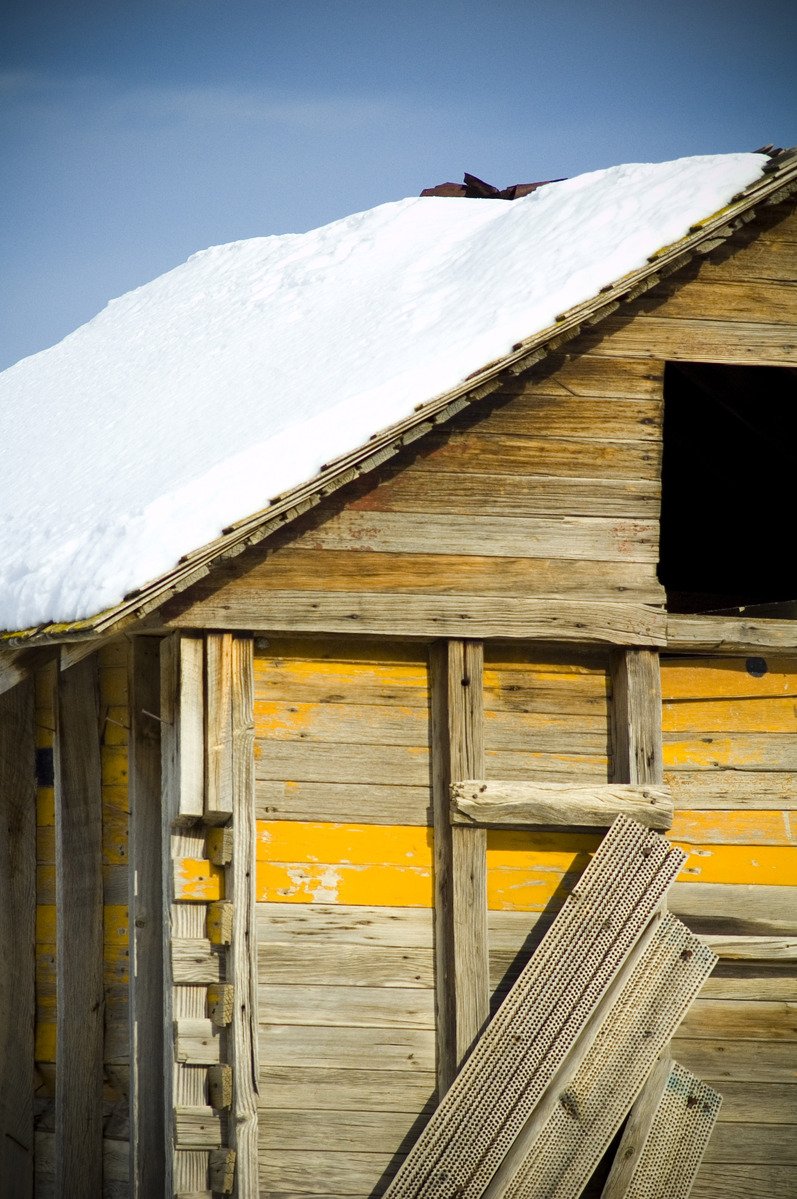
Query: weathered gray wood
x=539, y=618
x=636, y=716
x=552, y=1003
x=729, y=635
x=636, y=1131
x=462, y=965
x=753, y=1062
x=196, y=1042
x=243, y=1041
x=197, y=1128
x=325, y=1088
x=79, y=934
x=17, y=933
x=146, y=909
x=755, y=949
x=218, y=728
x=182, y=734
x=196, y=960
x=498, y=804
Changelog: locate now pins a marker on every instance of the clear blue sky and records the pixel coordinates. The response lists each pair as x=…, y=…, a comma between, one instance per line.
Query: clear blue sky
x=134, y=133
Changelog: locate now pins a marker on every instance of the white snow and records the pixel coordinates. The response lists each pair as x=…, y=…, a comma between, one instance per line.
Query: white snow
x=188, y=403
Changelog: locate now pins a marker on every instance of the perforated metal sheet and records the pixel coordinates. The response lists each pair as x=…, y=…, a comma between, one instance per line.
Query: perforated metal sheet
x=678, y=1138
x=593, y=1105
x=542, y=1017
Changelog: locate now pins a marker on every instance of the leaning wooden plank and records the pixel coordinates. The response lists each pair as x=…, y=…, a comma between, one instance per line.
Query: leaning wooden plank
x=17, y=934
x=542, y=1017
x=477, y=801
x=79, y=928
x=574, y=1125
x=242, y=1042
x=667, y=1162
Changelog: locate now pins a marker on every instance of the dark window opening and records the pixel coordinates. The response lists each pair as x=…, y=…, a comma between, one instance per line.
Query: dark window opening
x=729, y=477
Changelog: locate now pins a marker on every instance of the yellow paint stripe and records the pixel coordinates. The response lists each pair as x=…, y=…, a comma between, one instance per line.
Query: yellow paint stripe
x=734, y=827
x=770, y=715
x=346, y=844
x=45, y=924
x=379, y=885
x=44, y=1047
x=113, y=760
x=45, y=806
x=706, y=678
x=197, y=879
x=719, y=752
x=766, y=865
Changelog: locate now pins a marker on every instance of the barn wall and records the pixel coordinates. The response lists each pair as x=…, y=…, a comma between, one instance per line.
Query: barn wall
x=114, y=723
x=730, y=756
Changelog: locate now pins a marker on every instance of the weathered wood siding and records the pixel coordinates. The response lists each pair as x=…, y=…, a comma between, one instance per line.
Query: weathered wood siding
x=730, y=755
x=114, y=724
x=552, y=496
x=344, y=890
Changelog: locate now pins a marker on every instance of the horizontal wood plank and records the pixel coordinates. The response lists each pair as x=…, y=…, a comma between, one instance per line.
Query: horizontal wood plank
x=342, y=965
x=354, y=1089
x=683, y=339
x=337, y=1047
x=292, y=925
x=513, y=804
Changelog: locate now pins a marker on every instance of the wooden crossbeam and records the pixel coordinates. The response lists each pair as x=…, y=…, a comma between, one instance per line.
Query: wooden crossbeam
x=663, y=1164
x=566, y=1138
x=558, y=805
x=542, y=1018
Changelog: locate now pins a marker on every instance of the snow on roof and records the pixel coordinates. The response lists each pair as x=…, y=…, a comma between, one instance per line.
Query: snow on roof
x=189, y=402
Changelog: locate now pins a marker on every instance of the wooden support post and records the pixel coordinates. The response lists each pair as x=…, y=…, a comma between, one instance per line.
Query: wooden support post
x=240, y=886
x=79, y=934
x=218, y=728
x=146, y=912
x=462, y=968
x=638, y=758
x=182, y=730
x=17, y=932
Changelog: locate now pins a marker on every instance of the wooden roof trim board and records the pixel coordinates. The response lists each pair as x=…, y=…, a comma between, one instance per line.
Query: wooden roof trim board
x=777, y=184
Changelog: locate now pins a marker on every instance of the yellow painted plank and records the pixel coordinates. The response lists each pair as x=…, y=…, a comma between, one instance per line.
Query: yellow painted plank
x=45, y=924
x=113, y=654
x=45, y=883
x=745, y=751
x=345, y=844
x=116, y=929
x=727, y=827
x=767, y=865
x=114, y=835
x=114, y=765
x=44, y=1043
x=45, y=732
x=115, y=729
x=45, y=843
x=197, y=879
x=373, y=885
x=113, y=685
x=772, y=714
x=336, y=649
x=116, y=796
x=45, y=806
x=714, y=678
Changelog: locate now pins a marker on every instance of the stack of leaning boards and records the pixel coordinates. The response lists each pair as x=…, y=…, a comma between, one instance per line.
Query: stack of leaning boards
x=549, y=1082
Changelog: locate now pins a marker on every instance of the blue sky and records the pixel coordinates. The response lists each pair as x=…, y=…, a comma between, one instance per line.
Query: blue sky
x=133, y=134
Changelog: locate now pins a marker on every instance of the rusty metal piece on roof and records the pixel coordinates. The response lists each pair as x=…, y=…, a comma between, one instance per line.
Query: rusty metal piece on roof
x=474, y=188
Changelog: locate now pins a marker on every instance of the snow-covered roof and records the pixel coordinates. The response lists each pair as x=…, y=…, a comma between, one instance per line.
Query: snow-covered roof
x=188, y=403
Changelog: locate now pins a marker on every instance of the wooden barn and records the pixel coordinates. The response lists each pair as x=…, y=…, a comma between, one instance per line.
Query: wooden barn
x=281, y=827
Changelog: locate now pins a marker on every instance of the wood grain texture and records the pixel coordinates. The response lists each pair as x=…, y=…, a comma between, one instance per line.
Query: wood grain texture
x=460, y=856
x=692, y=339
x=411, y=615
x=728, y=635
x=218, y=805
x=182, y=732
x=496, y=803
x=17, y=935
x=243, y=1042
x=79, y=934
x=146, y=908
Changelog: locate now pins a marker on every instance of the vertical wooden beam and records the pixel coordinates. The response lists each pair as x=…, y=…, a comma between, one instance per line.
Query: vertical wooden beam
x=638, y=758
x=636, y=716
x=183, y=734
x=17, y=934
x=147, y=1139
x=79, y=934
x=462, y=969
x=218, y=728
x=240, y=880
